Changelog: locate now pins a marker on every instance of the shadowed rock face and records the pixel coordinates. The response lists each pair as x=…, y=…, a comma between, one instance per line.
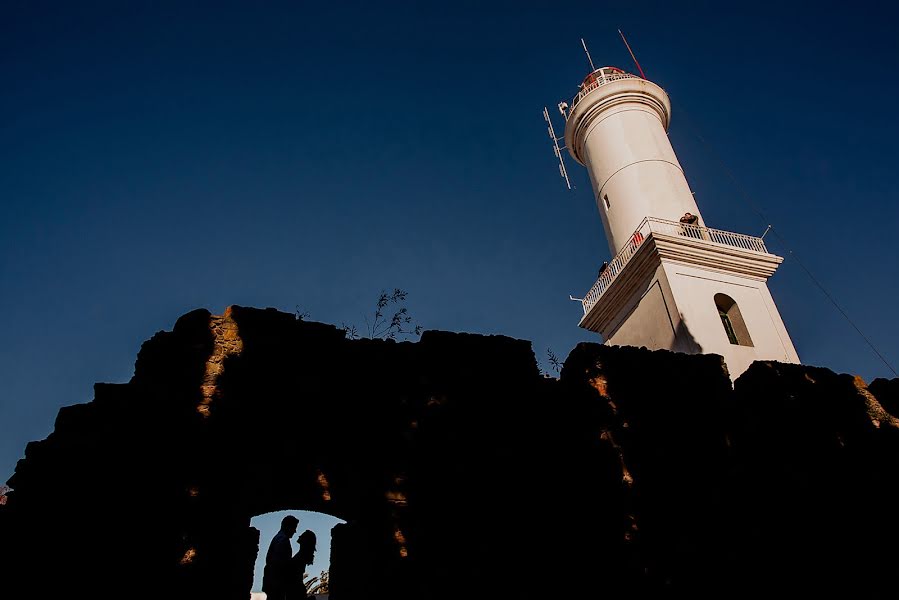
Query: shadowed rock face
x=460, y=471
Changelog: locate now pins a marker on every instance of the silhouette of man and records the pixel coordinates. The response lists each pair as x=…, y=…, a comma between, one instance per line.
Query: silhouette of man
x=277, y=573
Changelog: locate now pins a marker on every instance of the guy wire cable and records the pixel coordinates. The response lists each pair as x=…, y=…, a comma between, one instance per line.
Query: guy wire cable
x=748, y=200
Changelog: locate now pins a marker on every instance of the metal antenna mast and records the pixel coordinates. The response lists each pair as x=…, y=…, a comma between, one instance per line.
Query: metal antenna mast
x=626, y=45
x=584, y=44
x=563, y=110
x=556, y=149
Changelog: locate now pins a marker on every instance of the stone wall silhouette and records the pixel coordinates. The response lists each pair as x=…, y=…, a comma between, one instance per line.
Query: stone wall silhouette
x=461, y=471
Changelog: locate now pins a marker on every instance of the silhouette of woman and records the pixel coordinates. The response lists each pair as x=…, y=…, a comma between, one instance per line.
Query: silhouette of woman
x=299, y=562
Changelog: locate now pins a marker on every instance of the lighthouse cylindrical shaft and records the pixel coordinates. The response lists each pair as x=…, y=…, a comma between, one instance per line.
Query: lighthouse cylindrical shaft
x=617, y=128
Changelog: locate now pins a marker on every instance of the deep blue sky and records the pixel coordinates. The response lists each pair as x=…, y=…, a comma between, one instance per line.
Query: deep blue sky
x=156, y=157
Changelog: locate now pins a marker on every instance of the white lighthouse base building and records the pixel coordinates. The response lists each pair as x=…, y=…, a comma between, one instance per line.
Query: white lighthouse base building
x=691, y=289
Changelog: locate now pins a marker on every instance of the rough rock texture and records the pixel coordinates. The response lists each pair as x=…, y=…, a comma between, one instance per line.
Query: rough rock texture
x=887, y=393
x=460, y=470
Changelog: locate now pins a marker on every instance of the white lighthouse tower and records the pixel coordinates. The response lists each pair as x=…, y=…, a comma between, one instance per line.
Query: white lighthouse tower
x=672, y=282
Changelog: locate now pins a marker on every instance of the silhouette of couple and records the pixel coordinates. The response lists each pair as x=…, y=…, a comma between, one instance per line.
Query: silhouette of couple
x=282, y=578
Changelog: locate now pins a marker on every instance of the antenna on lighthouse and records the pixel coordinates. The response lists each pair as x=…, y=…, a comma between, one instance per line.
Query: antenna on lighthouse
x=628, y=46
x=587, y=52
x=556, y=149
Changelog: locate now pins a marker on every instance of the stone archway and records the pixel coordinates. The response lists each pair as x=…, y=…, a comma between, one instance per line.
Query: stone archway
x=315, y=572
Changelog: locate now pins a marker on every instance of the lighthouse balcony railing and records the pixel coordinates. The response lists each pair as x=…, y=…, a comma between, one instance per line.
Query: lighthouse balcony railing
x=652, y=225
x=595, y=81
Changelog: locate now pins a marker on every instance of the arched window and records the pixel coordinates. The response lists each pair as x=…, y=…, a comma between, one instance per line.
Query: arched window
x=732, y=320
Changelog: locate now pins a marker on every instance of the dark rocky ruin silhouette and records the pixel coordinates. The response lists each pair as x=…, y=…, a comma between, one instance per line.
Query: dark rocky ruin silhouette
x=460, y=470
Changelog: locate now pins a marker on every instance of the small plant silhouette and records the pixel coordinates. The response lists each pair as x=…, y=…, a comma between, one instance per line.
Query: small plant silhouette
x=380, y=326
x=554, y=361
x=351, y=331
x=316, y=585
